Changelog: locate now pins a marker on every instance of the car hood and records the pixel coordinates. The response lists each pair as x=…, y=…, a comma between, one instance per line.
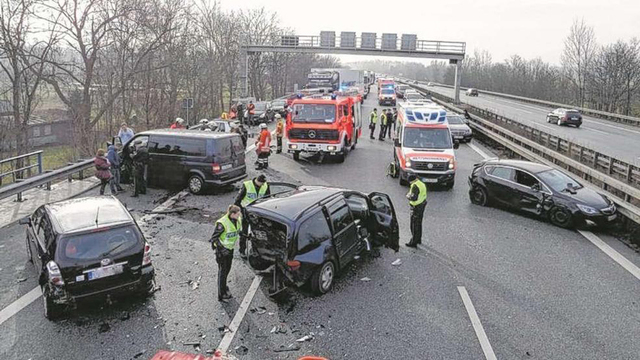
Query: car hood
x=459, y=127
x=587, y=197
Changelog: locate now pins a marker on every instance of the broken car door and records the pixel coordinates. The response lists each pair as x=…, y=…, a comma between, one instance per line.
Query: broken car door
x=385, y=222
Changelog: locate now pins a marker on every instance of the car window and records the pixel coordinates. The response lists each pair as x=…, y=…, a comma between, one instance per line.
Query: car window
x=161, y=145
x=525, y=179
x=358, y=206
x=189, y=147
x=101, y=244
x=503, y=173
x=236, y=144
x=557, y=180
x=143, y=139
x=340, y=217
x=313, y=231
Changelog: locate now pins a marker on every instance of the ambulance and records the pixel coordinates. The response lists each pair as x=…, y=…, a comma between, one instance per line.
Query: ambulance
x=423, y=145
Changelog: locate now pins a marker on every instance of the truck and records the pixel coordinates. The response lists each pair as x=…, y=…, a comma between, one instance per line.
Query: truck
x=325, y=123
x=337, y=79
x=423, y=145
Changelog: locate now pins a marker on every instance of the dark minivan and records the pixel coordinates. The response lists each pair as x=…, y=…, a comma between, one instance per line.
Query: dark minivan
x=84, y=248
x=192, y=157
x=312, y=232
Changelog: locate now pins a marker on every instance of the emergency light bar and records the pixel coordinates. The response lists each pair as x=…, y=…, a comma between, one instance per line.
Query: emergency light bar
x=424, y=115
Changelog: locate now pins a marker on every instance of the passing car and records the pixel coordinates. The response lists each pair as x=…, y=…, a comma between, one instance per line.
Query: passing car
x=565, y=117
x=472, y=92
x=262, y=113
x=387, y=96
x=400, y=90
x=429, y=84
x=540, y=190
x=460, y=131
x=279, y=107
x=311, y=233
x=87, y=248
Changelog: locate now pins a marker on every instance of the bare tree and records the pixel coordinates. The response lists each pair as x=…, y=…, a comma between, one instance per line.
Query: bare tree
x=578, y=56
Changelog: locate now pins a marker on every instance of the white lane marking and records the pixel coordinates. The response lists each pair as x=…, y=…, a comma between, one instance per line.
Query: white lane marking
x=477, y=325
x=242, y=311
x=600, y=131
x=616, y=256
x=601, y=122
x=545, y=126
x=479, y=151
x=19, y=304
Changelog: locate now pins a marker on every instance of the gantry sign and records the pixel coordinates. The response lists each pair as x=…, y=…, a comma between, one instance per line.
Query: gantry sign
x=348, y=44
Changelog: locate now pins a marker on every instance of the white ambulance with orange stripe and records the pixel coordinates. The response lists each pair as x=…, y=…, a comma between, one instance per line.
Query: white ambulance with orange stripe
x=423, y=145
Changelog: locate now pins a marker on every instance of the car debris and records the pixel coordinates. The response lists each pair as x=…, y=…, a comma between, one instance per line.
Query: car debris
x=104, y=327
x=194, y=284
x=137, y=355
x=365, y=279
x=241, y=350
x=191, y=343
x=305, y=338
x=291, y=347
x=259, y=310
x=398, y=262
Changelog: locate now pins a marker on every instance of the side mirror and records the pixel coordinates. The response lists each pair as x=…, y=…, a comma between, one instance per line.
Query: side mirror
x=362, y=231
x=536, y=187
x=396, y=142
x=25, y=221
x=456, y=144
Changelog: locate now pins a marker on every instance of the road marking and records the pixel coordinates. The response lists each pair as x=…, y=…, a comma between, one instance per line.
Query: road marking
x=616, y=256
x=600, y=131
x=242, y=311
x=477, y=325
x=479, y=151
x=600, y=122
x=545, y=126
x=21, y=303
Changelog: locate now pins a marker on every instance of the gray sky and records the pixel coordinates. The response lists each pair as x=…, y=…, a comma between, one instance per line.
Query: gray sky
x=503, y=27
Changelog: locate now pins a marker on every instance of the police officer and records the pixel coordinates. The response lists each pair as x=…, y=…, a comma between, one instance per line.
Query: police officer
x=391, y=120
x=383, y=125
x=418, y=201
x=279, y=132
x=373, y=119
x=140, y=160
x=223, y=241
x=250, y=191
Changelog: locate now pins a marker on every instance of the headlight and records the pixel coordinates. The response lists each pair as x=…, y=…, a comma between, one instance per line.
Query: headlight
x=451, y=166
x=331, y=148
x=587, y=209
x=293, y=146
x=407, y=163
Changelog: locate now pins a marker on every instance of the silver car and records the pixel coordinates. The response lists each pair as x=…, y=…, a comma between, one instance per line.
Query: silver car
x=459, y=129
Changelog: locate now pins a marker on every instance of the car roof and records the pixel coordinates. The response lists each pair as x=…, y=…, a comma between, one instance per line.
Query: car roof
x=292, y=204
x=80, y=214
x=187, y=133
x=529, y=166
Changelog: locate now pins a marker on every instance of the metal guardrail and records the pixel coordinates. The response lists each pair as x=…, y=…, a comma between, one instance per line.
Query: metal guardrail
x=624, y=119
x=20, y=171
x=45, y=179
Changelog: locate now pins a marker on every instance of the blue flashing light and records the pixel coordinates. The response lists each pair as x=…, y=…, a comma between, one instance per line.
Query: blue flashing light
x=433, y=116
x=419, y=116
x=411, y=118
x=333, y=96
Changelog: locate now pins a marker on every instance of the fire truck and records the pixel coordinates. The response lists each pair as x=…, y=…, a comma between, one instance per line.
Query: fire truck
x=423, y=145
x=324, y=123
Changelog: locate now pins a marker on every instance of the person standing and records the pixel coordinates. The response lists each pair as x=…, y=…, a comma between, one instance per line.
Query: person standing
x=240, y=109
x=418, y=202
x=250, y=191
x=125, y=133
x=391, y=120
x=178, y=124
x=140, y=160
x=223, y=241
x=251, y=110
x=373, y=119
x=279, y=132
x=102, y=172
x=263, y=147
x=383, y=125
x=114, y=160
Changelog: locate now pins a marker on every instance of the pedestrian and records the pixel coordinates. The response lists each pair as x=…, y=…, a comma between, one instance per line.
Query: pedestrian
x=223, y=241
x=373, y=119
x=263, y=147
x=102, y=172
x=140, y=160
x=466, y=115
x=114, y=160
x=240, y=109
x=391, y=121
x=383, y=125
x=250, y=191
x=204, y=125
x=125, y=133
x=178, y=124
x=244, y=135
x=251, y=110
x=279, y=132
x=417, y=196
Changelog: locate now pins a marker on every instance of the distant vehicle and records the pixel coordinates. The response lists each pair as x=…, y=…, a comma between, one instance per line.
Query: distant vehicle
x=84, y=249
x=472, y=92
x=279, y=107
x=400, y=90
x=262, y=113
x=565, y=117
x=413, y=96
x=459, y=129
x=540, y=190
x=197, y=159
x=312, y=232
x=387, y=96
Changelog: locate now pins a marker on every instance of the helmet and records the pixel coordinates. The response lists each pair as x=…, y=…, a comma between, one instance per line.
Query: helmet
x=179, y=120
x=278, y=116
x=204, y=121
x=263, y=126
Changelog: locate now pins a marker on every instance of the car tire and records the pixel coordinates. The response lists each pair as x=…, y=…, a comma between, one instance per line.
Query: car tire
x=323, y=278
x=578, y=126
x=256, y=262
x=560, y=217
x=296, y=155
x=549, y=119
x=450, y=185
x=479, y=196
x=196, y=184
x=559, y=122
x=401, y=180
x=52, y=311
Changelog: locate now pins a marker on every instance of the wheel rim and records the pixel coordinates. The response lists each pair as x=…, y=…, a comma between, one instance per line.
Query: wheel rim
x=478, y=197
x=561, y=217
x=195, y=184
x=559, y=122
x=326, y=276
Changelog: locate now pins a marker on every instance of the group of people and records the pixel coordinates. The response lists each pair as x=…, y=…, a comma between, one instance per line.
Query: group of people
x=238, y=112
x=388, y=120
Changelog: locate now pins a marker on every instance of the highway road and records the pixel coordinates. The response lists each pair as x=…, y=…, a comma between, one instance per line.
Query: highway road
x=618, y=140
x=485, y=282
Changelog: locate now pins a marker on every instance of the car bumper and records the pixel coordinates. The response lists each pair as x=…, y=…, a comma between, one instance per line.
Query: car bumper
x=571, y=122
x=387, y=101
x=598, y=220
x=332, y=149
x=430, y=177
x=222, y=181
x=465, y=137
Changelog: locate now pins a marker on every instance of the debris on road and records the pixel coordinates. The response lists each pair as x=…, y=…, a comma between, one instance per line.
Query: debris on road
x=305, y=338
x=139, y=354
x=292, y=347
x=241, y=350
x=191, y=343
x=21, y=280
x=259, y=310
x=104, y=327
x=398, y=262
x=224, y=328
x=194, y=284
x=125, y=316
x=365, y=279
x=279, y=330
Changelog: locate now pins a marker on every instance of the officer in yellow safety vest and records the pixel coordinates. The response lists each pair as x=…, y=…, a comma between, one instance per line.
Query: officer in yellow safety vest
x=223, y=241
x=250, y=191
x=373, y=119
x=418, y=201
x=383, y=125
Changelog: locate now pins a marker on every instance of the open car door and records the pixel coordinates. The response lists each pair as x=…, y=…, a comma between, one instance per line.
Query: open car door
x=386, y=230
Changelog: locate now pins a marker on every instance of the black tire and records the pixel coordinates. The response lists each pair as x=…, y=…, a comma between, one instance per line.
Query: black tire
x=479, y=196
x=450, y=185
x=296, y=155
x=52, y=311
x=323, y=278
x=147, y=289
x=561, y=218
x=578, y=126
x=257, y=263
x=401, y=180
x=196, y=184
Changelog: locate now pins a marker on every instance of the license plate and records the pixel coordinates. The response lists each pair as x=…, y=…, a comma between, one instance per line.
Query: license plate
x=612, y=217
x=574, y=118
x=227, y=166
x=428, y=180
x=105, y=271
x=458, y=137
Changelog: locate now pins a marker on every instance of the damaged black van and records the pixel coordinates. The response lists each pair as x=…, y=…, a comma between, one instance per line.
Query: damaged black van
x=312, y=232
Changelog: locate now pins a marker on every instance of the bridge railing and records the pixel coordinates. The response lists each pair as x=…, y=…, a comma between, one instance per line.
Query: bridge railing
x=18, y=165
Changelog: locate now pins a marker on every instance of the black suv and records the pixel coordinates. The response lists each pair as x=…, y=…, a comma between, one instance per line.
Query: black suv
x=312, y=232
x=565, y=117
x=84, y=248
x=540, y=190
x=192, y=157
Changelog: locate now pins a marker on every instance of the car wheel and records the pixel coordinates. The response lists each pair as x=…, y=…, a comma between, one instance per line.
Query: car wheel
x=296, y=156
x=479, y=196
x=256, y=262
x=401, y=179
x=549, y=119
x=559, y=122
x=30, y=259
x=560, y=217
x=450, y=185
x=355, y=141
x=578, y=125
x=51, y=310
x=323, y=277
x=196, y=184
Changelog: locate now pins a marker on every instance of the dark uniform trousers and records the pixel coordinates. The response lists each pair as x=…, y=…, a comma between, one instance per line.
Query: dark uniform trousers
x=372, y=127
x=224, y=267
x=417, y=212
x=243, y=232
x=279, y=147
x=139, y=180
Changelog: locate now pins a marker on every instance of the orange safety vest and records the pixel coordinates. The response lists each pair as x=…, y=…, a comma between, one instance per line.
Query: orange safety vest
x=264, y=142
x=279, y=129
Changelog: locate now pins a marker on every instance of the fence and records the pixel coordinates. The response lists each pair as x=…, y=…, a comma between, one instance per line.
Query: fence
x=20, y=164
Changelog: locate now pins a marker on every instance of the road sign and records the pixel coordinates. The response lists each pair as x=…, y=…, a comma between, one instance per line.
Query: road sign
x=187, y=103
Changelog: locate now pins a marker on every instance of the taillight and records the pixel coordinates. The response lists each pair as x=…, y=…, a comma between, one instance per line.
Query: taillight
x=293, y=264
x=215, y=167
x=146, y=258
x=55, y=277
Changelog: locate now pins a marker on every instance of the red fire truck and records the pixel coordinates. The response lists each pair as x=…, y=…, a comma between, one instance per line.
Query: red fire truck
x=329, y=124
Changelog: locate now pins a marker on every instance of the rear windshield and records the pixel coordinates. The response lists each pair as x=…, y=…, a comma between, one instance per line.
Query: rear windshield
x=573, y=113
x=100, y=244
x=226, y=146
x=261, y=106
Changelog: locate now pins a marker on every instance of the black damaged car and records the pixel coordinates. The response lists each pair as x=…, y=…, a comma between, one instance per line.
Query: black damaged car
x=540, y=190
x=87, y=248
x=311, y=233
